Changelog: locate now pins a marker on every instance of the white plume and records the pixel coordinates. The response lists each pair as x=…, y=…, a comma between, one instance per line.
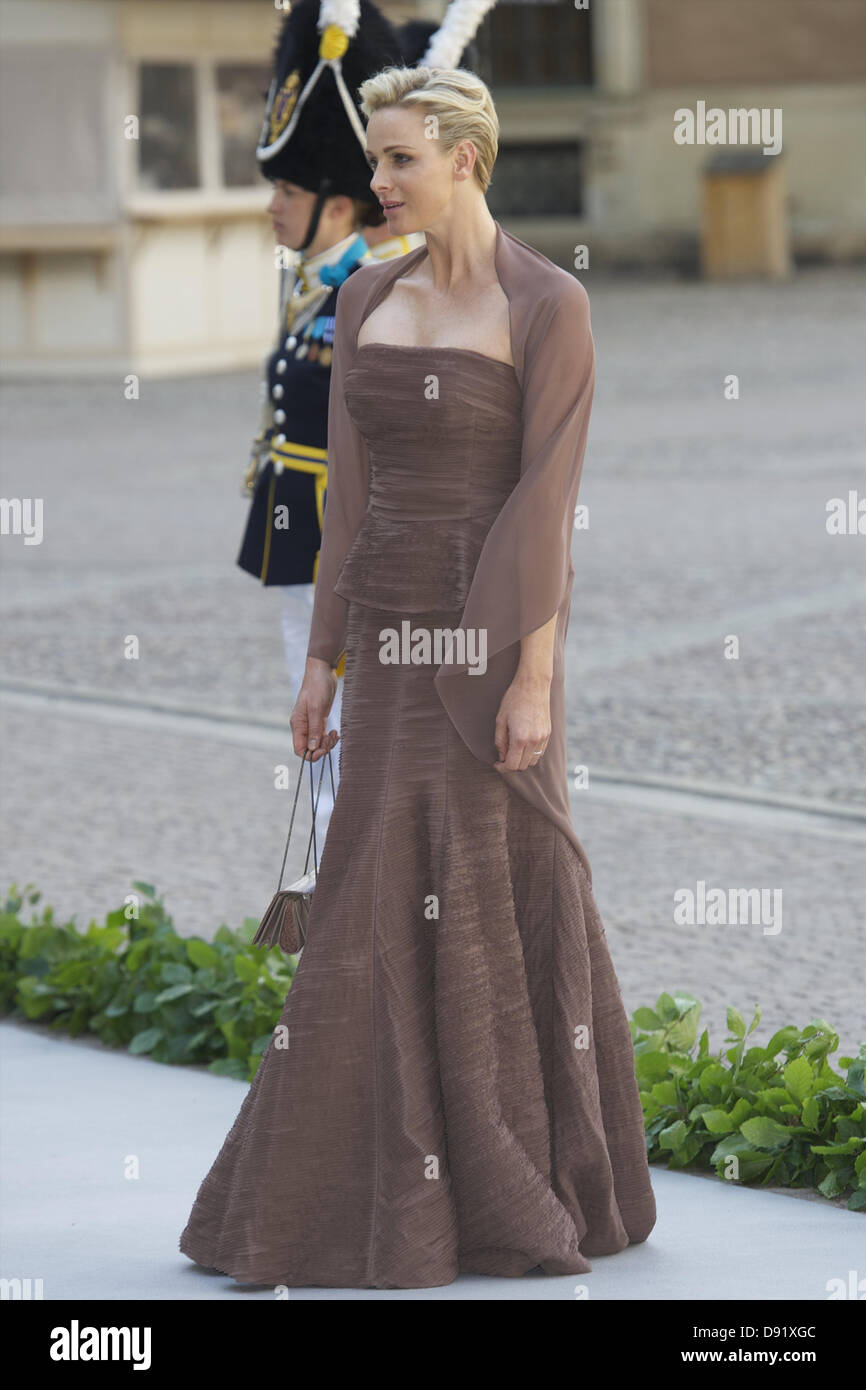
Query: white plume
x=460, y=25
x=344, y=13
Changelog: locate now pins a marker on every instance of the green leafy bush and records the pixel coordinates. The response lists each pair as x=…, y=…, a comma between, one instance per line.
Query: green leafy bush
x=136, y=984
x=777, y=1114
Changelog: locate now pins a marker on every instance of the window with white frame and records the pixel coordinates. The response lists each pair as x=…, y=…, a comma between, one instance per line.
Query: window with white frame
x=199, y=123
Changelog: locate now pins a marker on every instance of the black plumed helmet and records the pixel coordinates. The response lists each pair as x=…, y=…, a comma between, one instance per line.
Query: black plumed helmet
x=309, y=134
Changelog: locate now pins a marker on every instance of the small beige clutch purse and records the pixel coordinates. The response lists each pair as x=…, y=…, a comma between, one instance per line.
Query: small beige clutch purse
x=285, y=921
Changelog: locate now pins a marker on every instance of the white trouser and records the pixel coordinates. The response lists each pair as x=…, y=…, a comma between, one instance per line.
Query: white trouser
x=297, y=609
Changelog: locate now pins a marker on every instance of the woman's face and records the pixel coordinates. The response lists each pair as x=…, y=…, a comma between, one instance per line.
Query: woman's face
x=413, y=177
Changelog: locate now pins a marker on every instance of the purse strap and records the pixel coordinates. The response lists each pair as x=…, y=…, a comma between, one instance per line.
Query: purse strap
x=314, y=803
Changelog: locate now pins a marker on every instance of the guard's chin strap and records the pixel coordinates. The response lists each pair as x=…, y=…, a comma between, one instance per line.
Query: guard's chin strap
x=313, y=225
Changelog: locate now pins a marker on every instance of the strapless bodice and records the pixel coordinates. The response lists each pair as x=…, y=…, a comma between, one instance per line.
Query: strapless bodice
x=443, y=429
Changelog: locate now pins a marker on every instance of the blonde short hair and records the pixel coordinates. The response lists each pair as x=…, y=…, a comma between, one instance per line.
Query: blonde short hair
x=459, y=100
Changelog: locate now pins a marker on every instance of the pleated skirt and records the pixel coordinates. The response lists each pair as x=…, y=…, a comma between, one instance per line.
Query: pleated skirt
x=451, y=1088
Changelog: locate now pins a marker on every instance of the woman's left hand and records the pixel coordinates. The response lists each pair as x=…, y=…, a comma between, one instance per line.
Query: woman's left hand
x=523, y=723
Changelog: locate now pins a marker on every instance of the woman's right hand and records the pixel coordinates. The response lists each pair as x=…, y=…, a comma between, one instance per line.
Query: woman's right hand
x=310, y=714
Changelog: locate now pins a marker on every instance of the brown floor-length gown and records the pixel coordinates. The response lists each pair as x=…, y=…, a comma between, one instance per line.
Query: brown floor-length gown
x=458, y=1093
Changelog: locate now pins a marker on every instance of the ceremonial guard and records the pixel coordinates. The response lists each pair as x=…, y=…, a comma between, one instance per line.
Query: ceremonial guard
x=312, y=149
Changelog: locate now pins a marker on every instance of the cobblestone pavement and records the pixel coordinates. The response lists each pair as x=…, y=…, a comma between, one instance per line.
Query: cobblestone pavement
x=707, y=520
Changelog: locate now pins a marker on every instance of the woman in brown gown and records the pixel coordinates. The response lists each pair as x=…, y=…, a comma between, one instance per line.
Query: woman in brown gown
x=458, y=1090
